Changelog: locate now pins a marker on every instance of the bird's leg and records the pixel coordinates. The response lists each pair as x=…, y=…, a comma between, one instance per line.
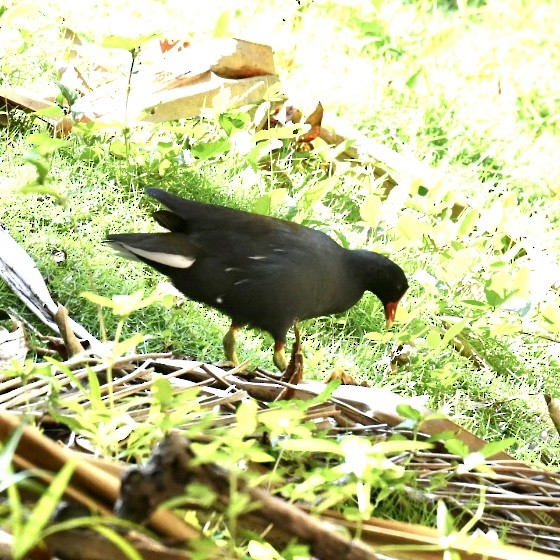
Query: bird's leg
x=294, y=370
x=229, y=345
x=279, y=357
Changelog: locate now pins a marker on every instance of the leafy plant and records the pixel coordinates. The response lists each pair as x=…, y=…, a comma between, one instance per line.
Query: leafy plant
x=27, y=529
x=43, y=149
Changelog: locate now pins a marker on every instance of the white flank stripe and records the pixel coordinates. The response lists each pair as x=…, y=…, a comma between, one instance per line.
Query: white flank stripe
x=168, y=259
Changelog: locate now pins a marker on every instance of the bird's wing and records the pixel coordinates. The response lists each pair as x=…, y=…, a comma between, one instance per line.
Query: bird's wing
x=161, y=250
x=190, y=216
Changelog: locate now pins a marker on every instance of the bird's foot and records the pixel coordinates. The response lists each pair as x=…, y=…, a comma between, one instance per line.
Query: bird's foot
x=294, y=371
x=226, y=364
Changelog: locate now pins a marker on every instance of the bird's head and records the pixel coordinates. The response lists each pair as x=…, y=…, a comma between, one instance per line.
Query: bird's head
x=387, y=281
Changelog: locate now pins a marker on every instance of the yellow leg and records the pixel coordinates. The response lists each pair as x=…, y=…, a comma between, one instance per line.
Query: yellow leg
x=229, y=345
x=293, y=373
x=279, y=357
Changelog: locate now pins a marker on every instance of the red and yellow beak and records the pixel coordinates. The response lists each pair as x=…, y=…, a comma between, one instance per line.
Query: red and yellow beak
x=390, y=312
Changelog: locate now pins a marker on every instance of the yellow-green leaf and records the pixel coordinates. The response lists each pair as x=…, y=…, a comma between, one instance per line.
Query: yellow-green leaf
x=221, y=27
x=370, y=211
x=410, y=227
x=280, y=132
x=246, y=417
x=311, y=445
x=468, y=222
x=124, y=42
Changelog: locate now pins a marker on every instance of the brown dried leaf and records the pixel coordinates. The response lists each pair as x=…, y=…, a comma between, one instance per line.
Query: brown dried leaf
x=338, y=374
x=315, y=120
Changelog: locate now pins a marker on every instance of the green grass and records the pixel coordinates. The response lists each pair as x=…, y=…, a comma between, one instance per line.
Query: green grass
x=469, y=92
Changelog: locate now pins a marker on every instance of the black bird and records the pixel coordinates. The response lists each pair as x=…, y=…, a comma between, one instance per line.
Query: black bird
x=260, y=271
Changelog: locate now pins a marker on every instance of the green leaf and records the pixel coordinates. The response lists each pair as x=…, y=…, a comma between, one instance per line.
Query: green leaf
x=500, y=329
x=457, y=447
x=281, y=420
x=506, y=284
x=453, y=331
x=445, y=523
x=495, y=447
x=411, y=82
x=494, y=299
x=551, y=313
x=259, y=456
x=45, y=144
x=468, y=222
x=315, y=445
x=6, y=458
x=443, y=436
x=382, y=338
x=409, y=412
x=231, y=122
x=238, y=505
x=28, y=535
x=162, y=390
x=97, y=299
x=262, y=551
x=19, y=10
x=126, y=43
x=246, y=417
x=42, y=165
x=474, y=303
x=261, y=150
x=316, y=192
x=69, y=94
x=280, y=132
x=207, y=150
x=128, y=345
x=90, y=154
x=324, y=395
x=55, y=112
x=34, y=188
x=433, y=339
x=118, y=148
x=370, y=211
x=410, y=227
x=200, y=493
x=221, y=27
x=448, y=374
x=267, y=202
x=124, y=305
x=329, y=153
x=94, y=392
